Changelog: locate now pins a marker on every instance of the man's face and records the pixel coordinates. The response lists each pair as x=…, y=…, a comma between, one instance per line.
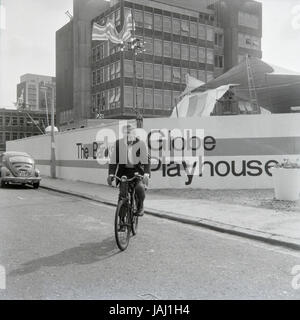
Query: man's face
x=128, y=132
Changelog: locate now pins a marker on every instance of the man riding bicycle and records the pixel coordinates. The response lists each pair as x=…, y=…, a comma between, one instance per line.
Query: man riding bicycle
x=130, y=155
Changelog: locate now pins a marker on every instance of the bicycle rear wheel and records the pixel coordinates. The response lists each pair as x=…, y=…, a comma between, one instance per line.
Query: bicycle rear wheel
x=122, y=225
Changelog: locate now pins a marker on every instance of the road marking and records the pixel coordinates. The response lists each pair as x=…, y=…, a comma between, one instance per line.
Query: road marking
x=20, y=198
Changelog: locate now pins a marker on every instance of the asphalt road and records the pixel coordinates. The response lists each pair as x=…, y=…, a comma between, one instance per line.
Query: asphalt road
x=61, y=247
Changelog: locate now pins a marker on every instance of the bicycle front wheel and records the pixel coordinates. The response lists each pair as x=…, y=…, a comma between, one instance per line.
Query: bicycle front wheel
x=122, y=225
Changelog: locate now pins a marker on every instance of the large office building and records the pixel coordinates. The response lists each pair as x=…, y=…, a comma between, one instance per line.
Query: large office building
x=200, y=38
x=37, y=92
x=19, y=124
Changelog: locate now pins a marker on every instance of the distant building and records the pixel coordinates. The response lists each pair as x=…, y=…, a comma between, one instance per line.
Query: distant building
x=37, y=92
x=204, y=38
x=18, y=124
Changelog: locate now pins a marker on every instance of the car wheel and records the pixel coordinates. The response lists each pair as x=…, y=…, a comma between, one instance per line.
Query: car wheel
x=36, y=185
x=3, y=184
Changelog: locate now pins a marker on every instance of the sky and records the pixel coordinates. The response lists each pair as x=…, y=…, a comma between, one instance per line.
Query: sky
x=27, y=38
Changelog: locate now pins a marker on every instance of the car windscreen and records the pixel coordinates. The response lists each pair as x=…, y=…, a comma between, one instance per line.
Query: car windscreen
x=22, y=159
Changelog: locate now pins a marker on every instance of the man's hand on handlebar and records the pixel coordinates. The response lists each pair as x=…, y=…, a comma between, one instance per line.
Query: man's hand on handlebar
x=146, y=179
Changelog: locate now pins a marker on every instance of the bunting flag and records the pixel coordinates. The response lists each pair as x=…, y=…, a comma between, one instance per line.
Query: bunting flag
x=108, y=31
x=191, y=84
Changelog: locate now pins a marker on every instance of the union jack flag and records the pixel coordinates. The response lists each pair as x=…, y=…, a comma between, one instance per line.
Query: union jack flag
x=108, y=31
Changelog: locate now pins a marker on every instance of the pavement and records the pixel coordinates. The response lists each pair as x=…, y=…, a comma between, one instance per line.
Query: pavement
x=273, y=226
x=58, y=246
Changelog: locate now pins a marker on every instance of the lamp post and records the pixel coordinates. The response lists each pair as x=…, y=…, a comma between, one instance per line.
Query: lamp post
x=136, y=46
x=53, y=157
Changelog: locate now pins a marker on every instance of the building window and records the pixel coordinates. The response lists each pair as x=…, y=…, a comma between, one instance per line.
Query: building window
x=7, y=136
x=176, y=95
x=98, y=101
x=185, y=28
x=128, y=96
x=14, y=121
x=210, y=56
x=167, y=73
x=148, y=20
x=148, y=45
x=193, y=53
x=97, y=53
x=249, y=42
x=112, y=71
x=94, y=78
x=248, y=20
x=7, y=121
x=148, y=71
x=105, y=49
x=209, y=34
x=158, y=72
x=148, y=102
x=15, y=135
x=219, y=61
x=128, y=68
x=98, y=76
x=117, y=69
x=158, y=99
x=167, y=24
x=118, y=97
x=106, y=73
x=158, y=22
x=94, y=54
x=201, y=53
x=193, y=30
x=101, y=75
x=139, y=19
x=176, y=26
x=112, y=97
x=176, y=50
x=167, y=99
x=158, y=47
x=21, y=121
x=219, y=39
x=201, y=32
x=94, y=103
x=184, y=72
x=184, y=52
x=105, y=100
x=176, y=75
x=167, y=49
x=139, y=70
x=140, y=97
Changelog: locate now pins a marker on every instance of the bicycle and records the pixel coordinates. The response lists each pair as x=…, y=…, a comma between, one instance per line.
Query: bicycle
x=126, y=220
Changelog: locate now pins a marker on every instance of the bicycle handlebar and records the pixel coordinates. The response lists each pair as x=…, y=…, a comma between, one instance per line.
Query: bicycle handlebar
x=131, y=179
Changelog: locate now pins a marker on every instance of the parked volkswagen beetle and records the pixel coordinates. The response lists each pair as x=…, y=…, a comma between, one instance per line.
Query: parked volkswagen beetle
x=18, y=168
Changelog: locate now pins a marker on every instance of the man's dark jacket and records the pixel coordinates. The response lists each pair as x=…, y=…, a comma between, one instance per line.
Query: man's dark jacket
x=116, y=163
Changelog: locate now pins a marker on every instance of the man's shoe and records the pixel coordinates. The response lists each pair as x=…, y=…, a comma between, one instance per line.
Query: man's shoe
x=122, y=226
x=140, y=212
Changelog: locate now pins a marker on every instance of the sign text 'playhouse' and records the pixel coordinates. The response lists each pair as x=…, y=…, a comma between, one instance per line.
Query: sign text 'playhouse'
x=179, y=154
